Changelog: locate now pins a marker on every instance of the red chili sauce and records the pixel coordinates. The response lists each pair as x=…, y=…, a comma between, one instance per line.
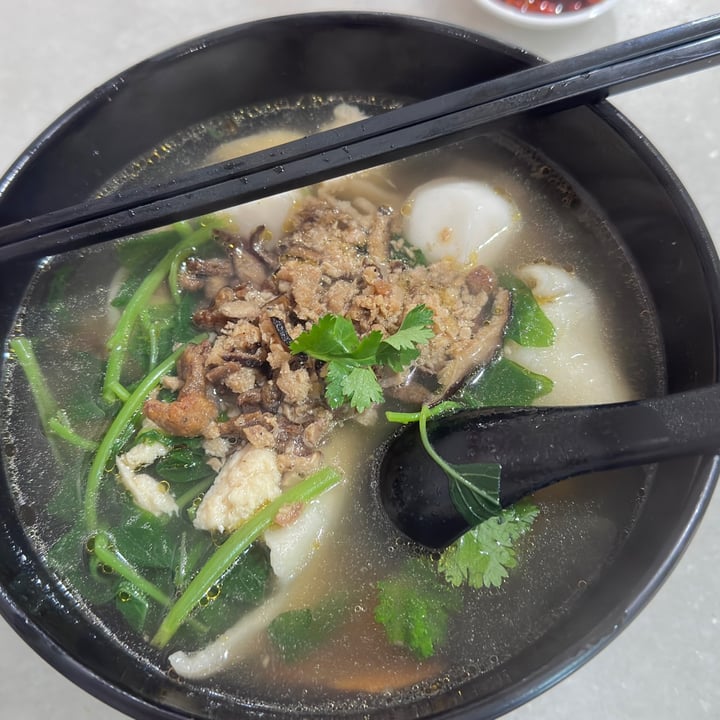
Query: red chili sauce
x=550, y=7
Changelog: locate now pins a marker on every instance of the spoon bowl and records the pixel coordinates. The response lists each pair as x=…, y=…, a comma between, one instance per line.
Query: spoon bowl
x=535, y=447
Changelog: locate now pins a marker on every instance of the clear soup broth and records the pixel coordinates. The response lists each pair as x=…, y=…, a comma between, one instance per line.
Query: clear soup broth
x=326, y=608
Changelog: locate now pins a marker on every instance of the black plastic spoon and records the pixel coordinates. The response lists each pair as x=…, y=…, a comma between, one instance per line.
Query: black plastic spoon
x=536, y=447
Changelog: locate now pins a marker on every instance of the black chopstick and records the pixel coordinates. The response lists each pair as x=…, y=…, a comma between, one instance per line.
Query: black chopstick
x=421, y=126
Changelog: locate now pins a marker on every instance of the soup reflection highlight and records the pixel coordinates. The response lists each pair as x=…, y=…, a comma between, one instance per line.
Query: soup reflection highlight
x=213, y=398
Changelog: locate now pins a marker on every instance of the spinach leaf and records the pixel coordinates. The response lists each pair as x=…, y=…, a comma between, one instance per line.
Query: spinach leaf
x=56, y=300
x=161, y=326
x=69, y=558
x=185, y=463
x=529, y=325
x=144, y=540
x=192, y=548
x=296, y=633
x=243, y=586
x=132, y=604
x=504, y=383
x=140, y=252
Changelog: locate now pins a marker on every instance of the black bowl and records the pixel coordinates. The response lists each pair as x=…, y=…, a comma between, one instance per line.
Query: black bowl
x=365, y=54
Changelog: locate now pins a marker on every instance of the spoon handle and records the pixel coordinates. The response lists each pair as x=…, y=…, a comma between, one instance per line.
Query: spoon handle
x=541, y=445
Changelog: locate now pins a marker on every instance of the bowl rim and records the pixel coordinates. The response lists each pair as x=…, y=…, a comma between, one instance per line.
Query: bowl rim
x=603, y=633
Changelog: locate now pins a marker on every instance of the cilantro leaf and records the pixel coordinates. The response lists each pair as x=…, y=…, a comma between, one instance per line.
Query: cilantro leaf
x=363, y=389
x=350, y=377
x=332, y=336
x=296, y=633
x=346, y=382
x=415, y=329
x=399, y=349
x=484, y=554
x=366, y=351
x=338, y=372
x=415, y=608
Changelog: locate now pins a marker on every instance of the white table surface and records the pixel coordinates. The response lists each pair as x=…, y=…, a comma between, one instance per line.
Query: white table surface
x=666, y=664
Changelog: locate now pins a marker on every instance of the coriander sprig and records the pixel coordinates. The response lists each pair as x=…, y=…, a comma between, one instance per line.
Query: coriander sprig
x=350, y=375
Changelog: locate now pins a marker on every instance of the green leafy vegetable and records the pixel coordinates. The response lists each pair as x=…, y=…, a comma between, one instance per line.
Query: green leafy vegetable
x=474, y=487
x=529, y=325
x=350, y=378
x=296, y=633
x=160, y=326
x=118, y=343
x=234, y=546
x=243, y=586
x=53, y=419
x=105, y=552
x=504, y=384
x=190, y=552
x=186, y=462
x=415, y=607
x=139, y=252
x=121, y=428
x=143, y=539
x=401, y=249
x=64, y=557
x=132, y=604
x=482, y=556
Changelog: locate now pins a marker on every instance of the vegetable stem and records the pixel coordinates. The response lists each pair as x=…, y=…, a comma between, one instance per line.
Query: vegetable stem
x=46, y=404
x=180, y=256
x=52, y=418
x=228, y=553
x=131, y=406
x=120, y=391
x=103, y=549
x=405, y=418
x=60, y=428
x=117, y=344
x=197, y=489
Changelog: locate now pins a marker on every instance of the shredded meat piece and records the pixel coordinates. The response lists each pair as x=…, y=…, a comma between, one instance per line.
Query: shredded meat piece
x=193, y=411
x=288, y=514
x=333, y=258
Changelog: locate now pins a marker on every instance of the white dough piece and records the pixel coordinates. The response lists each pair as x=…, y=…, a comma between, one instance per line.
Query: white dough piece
x=238, y=642
x=272, y=212
x=461, y=218
x=580, y=362
x=292, y=549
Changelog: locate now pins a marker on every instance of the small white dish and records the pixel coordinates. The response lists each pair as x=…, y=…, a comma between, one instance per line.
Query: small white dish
x=549, y=14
